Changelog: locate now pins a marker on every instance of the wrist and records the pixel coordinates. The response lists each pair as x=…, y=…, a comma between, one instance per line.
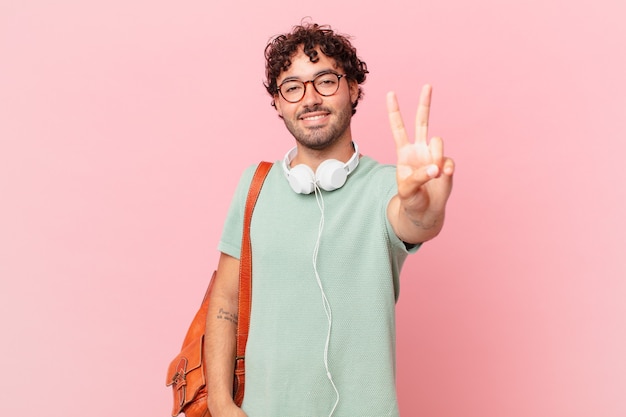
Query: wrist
x=218, y=403
x=418, y=226
x=427, y=219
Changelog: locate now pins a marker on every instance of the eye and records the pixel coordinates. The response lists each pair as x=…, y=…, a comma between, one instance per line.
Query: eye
x=326, y=80
x=291, y=87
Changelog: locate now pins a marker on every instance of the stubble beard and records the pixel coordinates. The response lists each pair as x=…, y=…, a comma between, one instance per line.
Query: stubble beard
x=319, y=138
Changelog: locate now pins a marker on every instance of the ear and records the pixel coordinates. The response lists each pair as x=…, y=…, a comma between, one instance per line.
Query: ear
x=354, y=90
x=277, y=105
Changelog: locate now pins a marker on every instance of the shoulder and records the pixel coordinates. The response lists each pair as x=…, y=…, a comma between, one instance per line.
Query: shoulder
x=374, y=173
x=246, y=176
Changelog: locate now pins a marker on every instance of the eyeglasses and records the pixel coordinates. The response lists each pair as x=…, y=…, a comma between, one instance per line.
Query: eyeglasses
x=326, y=84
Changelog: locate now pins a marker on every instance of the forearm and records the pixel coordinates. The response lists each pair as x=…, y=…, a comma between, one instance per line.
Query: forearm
x=414, y=226
x=219, y=345
x=220, y=339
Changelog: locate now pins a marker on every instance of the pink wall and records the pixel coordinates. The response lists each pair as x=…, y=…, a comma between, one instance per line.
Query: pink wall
x=124, y=126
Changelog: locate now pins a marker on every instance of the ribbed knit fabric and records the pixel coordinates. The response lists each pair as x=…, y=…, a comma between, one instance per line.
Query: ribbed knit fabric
x=359, y=263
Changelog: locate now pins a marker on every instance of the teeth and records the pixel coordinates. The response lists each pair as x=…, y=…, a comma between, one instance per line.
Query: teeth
x=314, y=117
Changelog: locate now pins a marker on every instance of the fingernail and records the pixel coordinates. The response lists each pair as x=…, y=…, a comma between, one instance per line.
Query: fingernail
x=432, y=171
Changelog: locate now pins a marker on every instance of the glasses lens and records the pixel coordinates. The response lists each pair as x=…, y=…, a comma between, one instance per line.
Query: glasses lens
x=292, y=91
x=327, y=84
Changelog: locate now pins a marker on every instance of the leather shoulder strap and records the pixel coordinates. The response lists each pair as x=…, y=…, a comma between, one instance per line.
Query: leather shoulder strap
x=245, y=265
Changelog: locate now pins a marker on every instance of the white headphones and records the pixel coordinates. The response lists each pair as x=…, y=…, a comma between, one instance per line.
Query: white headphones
x=330, y=174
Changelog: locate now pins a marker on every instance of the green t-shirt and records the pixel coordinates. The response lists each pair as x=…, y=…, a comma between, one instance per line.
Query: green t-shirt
x=358, y=263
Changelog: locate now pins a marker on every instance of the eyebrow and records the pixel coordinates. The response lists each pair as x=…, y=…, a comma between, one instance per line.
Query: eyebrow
x=317, y=74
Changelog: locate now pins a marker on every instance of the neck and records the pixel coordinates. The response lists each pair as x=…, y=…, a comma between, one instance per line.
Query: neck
x=341, y=151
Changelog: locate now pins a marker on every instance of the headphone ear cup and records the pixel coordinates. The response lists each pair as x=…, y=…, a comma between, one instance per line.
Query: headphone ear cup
x=302, y=179
x=331, y=174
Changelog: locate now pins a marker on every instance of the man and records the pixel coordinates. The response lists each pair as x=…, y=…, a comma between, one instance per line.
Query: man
x=330, y=232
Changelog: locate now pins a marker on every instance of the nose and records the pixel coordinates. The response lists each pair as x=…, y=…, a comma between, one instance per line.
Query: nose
x=311, y=96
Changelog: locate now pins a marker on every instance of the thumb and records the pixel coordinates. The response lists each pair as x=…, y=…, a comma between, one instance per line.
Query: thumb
x=409, y=180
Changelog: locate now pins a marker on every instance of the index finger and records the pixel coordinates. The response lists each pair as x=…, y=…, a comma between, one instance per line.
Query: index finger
x=395, y=120
x=423, y=112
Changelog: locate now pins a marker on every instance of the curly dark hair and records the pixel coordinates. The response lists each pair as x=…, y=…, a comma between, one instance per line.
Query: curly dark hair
x=281, y=49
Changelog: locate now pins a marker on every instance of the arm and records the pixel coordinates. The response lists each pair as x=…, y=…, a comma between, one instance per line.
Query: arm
x=220, y=340
x=424, y=176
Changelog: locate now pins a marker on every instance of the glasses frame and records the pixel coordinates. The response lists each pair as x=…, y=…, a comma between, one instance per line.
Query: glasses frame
x=304, y=83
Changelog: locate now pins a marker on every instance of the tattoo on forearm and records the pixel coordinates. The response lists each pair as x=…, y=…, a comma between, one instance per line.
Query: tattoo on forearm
x=419, y=223
x=423, y=226
x=225, y=315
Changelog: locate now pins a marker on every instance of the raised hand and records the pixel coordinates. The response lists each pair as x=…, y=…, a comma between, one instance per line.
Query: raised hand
x=424, y=174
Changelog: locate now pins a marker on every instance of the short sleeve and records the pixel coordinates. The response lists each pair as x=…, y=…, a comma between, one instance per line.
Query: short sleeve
x=230, y=241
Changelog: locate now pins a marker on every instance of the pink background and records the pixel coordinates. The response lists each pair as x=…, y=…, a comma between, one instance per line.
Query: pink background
x=124, y=126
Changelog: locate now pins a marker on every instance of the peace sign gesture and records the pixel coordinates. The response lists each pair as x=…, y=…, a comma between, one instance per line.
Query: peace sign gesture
x=424, y=175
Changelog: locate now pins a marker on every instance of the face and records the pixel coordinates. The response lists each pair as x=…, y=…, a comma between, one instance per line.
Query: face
x=317, y=122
